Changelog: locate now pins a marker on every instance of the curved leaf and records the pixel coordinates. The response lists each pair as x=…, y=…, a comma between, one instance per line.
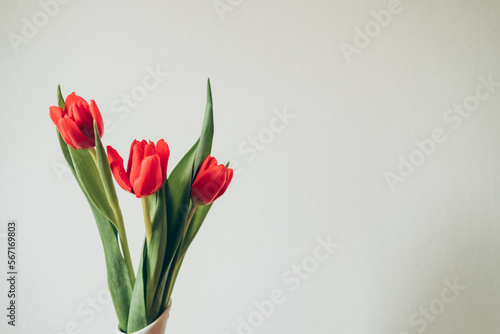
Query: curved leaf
x=194, y=227
x=156, y=250
x=119, y=283
x=88, y=175
x=137, y=319
x=178, y=195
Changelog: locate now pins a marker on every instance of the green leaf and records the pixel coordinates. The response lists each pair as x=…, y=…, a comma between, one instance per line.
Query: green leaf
x=90, y=180
x=207, y=133
x=67, y=156
x=104, y=170
x=177, y=203
x=194, y=227
x=106, y=177
x=119, y=283
x=60, y=98
x=178, y=186
x=156, y=251
x=178, y=196
x=137, y=319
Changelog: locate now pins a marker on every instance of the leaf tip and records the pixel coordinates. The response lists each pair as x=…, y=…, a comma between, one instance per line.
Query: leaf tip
x=209, y=91
x=60, y=99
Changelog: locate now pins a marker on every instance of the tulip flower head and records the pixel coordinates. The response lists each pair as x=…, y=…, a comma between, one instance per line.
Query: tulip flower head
x=211, y=182
x=146, y=169
x=76, y=121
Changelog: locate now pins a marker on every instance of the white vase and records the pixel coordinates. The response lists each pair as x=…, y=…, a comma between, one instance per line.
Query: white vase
x=156, y=327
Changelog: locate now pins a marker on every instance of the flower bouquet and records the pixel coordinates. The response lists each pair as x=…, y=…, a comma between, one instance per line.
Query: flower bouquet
x=174, y=207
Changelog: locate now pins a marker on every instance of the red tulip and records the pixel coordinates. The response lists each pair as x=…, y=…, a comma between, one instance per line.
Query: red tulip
x=210, y=182
x=76, y=121
x=146, y=169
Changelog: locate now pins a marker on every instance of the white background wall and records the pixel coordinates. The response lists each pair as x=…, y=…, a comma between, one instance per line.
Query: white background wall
x=322, y=174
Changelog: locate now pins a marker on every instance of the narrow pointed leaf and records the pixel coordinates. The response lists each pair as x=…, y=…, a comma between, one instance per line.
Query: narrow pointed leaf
x=207, y=133
x=194, y=227
x=60, y=98
x=156, y=251
x=117, y=275
x=119, y=283
x=67, y=155
x=137, y=319
x=178, y=196
x=178, y=186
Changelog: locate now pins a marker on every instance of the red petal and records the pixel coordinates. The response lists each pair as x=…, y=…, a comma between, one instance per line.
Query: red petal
x=96, y=115
x=130, y=155
x=66, y=138
x=137, y=157
x=210, y=162
x=150, y=180
x=74, y=134
x=76, y=100
x=81, y=115
x=149, y=150
x=83, y=120
x=229, y=177
x=208, y=184
x=56, y=114
x=116, y=164
x=70, y=100
x=163, y=152
x=206, y=164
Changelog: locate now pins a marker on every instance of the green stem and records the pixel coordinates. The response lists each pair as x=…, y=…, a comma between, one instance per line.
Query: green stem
x=189, y=218
x=122, y=234
x=178, y=260
x=147, y=218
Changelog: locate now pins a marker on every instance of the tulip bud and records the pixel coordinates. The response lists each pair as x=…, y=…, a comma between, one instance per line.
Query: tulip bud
x=211, y=182
x=76, y=121
x=146, y=169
